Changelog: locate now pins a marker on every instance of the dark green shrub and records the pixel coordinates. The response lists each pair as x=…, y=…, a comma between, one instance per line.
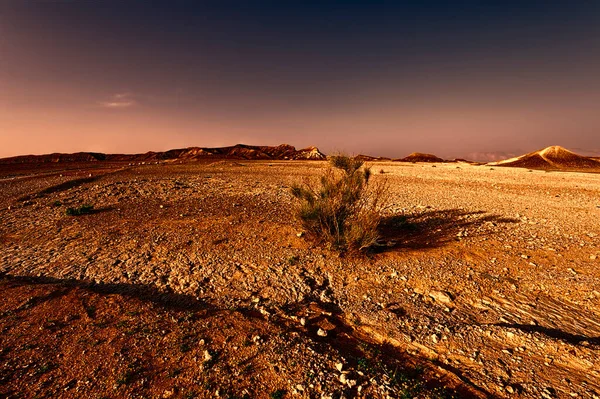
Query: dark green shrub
x=278, y=394
x=82, y=210
x=343, y=209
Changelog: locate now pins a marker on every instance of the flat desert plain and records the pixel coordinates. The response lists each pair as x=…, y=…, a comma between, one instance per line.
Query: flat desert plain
x=196, y=280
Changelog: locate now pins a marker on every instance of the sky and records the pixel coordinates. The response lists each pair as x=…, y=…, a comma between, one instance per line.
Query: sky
x=483, y=80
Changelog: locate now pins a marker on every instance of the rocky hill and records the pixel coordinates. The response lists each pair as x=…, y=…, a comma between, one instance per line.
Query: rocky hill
x=239, y=151
x=554, y=157
x=420, y=157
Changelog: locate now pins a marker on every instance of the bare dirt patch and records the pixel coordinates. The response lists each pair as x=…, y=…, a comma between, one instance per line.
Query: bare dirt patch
x=491, y=287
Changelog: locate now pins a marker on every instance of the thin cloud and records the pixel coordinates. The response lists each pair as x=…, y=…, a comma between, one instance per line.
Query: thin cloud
x=119, y=101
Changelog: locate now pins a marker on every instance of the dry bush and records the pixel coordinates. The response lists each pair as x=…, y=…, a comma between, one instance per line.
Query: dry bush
x=344, y=209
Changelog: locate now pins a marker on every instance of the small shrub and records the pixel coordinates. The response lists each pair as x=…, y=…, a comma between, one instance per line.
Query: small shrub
x=44, y=368
x=126, y=378
x=278, y=394
x=82, y=210
x=129, y=375
x=344, y=210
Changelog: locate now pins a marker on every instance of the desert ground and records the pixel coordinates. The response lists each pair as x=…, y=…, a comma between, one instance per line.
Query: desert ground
x=196, y=280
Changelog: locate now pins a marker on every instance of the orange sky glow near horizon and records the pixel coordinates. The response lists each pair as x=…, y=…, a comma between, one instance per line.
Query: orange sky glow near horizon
x=71, y=81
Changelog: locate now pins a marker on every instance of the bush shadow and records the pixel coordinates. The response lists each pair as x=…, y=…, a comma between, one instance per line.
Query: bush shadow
x=435, y=228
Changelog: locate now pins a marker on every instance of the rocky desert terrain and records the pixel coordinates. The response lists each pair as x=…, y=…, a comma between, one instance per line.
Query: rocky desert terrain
x=195, y=280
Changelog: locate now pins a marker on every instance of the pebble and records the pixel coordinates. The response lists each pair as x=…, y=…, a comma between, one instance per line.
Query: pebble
x=321, y=332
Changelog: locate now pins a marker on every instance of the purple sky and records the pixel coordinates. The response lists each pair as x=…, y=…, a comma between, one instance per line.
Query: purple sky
x=479, y=80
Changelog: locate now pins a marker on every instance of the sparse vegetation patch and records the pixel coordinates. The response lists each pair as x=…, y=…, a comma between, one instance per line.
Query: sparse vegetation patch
x=344, y=209
x=82, y=210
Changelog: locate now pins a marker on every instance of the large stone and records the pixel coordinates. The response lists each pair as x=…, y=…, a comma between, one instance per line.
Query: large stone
x=441, y=297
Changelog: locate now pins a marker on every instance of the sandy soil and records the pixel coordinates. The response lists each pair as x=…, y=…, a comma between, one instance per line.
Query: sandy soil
x=492, y=291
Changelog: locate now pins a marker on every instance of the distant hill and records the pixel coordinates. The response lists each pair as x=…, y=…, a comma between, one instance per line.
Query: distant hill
x=369, y=158
x=239, y=151
x=462, y=160
x=554, y=157
x=420, y=157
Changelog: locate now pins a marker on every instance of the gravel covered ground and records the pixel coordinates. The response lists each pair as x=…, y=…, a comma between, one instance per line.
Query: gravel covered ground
x=492, y=290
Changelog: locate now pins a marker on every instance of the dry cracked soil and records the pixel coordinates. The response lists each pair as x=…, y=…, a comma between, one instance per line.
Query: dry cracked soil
x=195, y=280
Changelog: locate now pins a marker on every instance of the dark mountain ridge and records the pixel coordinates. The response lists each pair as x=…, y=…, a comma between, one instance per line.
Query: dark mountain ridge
x=239, y=151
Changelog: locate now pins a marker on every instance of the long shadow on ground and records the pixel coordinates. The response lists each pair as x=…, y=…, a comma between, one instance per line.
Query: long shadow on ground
x=60, y=187
x=165, y=299
x=436, y=228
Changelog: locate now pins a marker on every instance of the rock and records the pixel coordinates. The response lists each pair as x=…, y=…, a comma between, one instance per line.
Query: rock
x=321, y=332
x=509, y=389
x=593, y=257
x=207, y=356
x=441, y=296
x=339, y=366
x=434, y=338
